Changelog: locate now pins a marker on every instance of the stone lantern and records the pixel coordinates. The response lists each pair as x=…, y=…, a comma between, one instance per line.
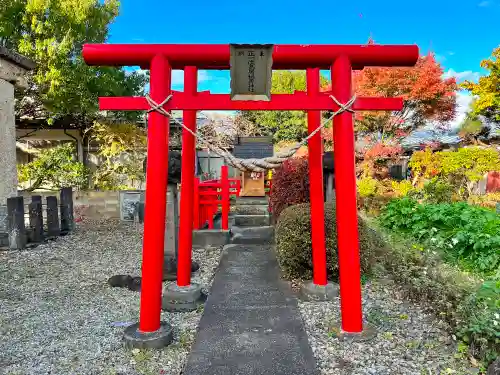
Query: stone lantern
x=13, y=68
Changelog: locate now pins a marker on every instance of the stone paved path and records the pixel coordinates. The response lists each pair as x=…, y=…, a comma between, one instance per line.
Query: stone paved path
x=251, y=323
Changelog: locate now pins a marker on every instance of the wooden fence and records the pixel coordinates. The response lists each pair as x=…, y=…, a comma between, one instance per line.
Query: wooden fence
x=212, y=194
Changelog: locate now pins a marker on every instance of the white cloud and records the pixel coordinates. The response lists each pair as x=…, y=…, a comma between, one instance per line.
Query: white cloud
x=468, y=75
x=484, y=3
x=463, y=102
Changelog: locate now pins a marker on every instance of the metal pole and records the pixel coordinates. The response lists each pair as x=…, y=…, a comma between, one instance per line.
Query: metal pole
x=187, y=183
x=346, y=210
x=155, y=205
x=316, y=185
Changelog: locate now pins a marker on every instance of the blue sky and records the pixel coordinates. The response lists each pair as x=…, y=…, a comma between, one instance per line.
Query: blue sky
x=461, y=33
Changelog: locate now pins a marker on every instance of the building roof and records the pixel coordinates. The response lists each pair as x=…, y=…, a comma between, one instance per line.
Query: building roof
x=422, y=137
x=17, y=59
x=448, y=138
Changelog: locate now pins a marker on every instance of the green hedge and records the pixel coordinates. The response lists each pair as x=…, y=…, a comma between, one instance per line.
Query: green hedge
x=294, y=246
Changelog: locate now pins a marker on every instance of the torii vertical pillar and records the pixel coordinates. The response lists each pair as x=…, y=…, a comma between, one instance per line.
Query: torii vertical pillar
x=316, y=185
x=319, y=289
x=150, y=332
x=187, y=183
x=186, y=296
x=345, y=194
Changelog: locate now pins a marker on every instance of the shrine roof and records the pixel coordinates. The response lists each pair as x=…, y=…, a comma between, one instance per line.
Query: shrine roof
x=252, y=150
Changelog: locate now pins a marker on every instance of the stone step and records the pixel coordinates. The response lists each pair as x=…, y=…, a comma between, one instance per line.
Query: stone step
x=251, y=220
x=265, y=232
x=251, y=240
x=252, y=209
x=210, y=237
x=245, y=201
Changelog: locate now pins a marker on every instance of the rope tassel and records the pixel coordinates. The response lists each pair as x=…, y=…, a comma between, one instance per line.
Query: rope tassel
x=252, y=165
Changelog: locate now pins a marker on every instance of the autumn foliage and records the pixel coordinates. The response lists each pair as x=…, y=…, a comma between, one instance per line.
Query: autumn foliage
x=486, y=91
x=290, y=185
x=427, y=95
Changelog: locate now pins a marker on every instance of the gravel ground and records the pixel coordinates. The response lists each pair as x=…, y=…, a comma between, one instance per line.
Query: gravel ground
x=59, y=316
x=408, y=342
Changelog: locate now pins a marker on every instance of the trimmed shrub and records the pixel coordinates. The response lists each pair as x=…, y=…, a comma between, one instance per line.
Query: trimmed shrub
x=461, y=168
x=489, y=200
x=294, y=246
x=401, y=188
x=290, y=185
x=437, y=191
x=367, y=187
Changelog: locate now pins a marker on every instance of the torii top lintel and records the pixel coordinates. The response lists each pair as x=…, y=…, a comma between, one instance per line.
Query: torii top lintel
x=217, y=56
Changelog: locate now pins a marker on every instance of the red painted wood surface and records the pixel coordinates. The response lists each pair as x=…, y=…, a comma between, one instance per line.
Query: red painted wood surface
x=216, y=56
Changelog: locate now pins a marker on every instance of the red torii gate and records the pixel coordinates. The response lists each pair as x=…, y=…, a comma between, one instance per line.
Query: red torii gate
x=161, y=59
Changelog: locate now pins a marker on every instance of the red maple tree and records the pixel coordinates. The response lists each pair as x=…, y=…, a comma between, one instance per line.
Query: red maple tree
x=427, y=96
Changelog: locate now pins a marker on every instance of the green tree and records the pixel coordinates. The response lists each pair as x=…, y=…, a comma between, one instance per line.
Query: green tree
x=472, y=128
x=54, y=168
x=52, y=33
x=487, y=90
x=122, y=148
x=283, y=125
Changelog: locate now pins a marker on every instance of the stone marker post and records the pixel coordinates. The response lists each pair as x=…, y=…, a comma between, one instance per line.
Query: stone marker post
x=13, y=68
x=328, y=175
x=15, y=223
x=329, y=187
x=66, y=199
x=36, y=221
x=4, y=238
x=53, y=228
x=171, y=233
x=171, y=241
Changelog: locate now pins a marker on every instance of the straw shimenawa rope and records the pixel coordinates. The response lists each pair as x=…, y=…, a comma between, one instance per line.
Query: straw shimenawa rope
x=251, y=165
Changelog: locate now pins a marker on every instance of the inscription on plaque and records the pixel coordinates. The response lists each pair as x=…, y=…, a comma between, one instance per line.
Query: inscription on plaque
x=251, y=71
